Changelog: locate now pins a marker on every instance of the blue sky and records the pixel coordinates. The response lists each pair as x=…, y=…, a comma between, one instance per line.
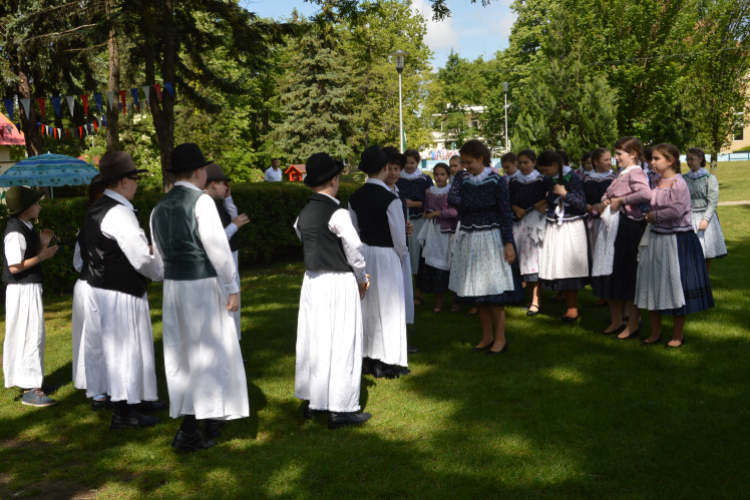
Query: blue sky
x=472, y=30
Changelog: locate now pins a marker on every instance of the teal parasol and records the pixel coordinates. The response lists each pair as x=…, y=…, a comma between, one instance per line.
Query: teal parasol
x=49, y=170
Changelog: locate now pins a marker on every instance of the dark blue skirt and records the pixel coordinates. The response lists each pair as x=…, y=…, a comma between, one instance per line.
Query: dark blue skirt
x=431, y=279
x=620, y=285
x=694, y=276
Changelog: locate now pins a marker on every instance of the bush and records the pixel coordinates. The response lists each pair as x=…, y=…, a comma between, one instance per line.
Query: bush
x=271, y=207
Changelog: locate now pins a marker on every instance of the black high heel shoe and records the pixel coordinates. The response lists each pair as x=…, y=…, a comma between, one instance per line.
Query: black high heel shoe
x=495, y=353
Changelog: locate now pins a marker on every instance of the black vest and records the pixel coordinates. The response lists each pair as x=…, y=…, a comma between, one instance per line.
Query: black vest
x=226, y=219
x=175, y=229
x=370, y=203
x=107, y=265
x=81, y=240
x=323, y=250
x=32, y=274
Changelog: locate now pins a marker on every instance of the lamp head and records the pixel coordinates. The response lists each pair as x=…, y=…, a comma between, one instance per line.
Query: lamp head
x=399, y=55
x=505, y=87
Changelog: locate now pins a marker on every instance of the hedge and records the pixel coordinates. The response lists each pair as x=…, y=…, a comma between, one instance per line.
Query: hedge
x=271, y=207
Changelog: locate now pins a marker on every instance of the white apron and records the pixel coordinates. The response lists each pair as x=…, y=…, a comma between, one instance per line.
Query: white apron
x=604, y=251
x=23, y=349
x=237, y=314
x=80, y=298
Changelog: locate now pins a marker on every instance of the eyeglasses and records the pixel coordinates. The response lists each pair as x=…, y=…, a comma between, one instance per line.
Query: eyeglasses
x=135, y=178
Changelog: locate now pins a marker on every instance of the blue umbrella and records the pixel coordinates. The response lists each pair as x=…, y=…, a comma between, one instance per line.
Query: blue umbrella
x=49, y=170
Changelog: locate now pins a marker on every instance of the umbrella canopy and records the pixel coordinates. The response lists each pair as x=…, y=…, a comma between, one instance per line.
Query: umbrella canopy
x=49, y=170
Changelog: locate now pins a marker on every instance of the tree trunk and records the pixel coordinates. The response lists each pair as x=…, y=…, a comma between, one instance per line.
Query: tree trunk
x=28, y=123
x=714, y=162
x=113, y=113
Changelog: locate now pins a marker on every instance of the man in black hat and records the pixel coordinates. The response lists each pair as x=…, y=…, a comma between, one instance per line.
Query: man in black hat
x=377, y=215
x=218, y=188
x=119, y=265
x=23, y=349
x=205, y=374
x=329, y=327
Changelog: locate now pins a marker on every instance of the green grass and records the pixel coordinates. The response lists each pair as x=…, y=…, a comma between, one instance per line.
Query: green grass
x=567, y=413
x=734, y=180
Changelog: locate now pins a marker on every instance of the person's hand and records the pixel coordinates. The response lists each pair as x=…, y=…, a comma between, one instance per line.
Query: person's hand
x=599, y=207
x=559, y=190
x=433, y=214
x=606, y=203
x=240, y=220
x=363, y=287
x=229, y=191
x=409, y=229
x=510, y=254
x=589, y=208
x=410, y=204
x=151, y=249
x=234, y=302
x=47, y=252
x=424, y=215
x=703, y=225
x=541, y=206
x=651, y=217
x=615, y=203
x=45, y=236
x=520, y=212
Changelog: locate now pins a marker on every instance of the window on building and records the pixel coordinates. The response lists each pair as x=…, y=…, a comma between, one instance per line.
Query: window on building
x=739, y=126
x=739, y=134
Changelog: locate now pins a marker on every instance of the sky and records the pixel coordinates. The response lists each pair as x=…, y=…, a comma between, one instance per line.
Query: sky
x=471, y=31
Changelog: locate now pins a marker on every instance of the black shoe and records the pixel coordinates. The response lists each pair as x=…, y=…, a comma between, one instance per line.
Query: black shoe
x=658, y=339
x=383, y=370
x=633, y=335
x=307, y=412
x=101, y=404
x=533, y=311
x=495, y=353
x=480, y=349
x=150, y=406
x=616, y=331
x=184, y=442
x=404, y=372
x=213, y=428
x=133, y=421
x=338, y=420
x=367, y=365
x=413, y=350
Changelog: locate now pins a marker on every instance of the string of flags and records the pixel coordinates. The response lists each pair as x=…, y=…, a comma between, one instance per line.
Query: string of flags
x=116, y=99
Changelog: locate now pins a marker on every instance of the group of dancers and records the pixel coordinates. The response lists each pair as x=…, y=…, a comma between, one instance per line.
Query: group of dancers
x=642, y=237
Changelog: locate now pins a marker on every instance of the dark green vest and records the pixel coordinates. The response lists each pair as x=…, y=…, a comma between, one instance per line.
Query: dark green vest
x=176, y=232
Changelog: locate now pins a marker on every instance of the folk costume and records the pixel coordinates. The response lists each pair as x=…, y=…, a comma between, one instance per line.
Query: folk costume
x=528, y=231
x=25, y=335
x=376, y=213
x=406, y=265
x=672, y=274
x=479, y=273
x=205, y=373
x=414, y=186
x=227, y=213
x=704, y=198
x=437, y=237
x=565, y=256
x=595, y=185
x=119, y=265
x=632, y=185
x=329, y=328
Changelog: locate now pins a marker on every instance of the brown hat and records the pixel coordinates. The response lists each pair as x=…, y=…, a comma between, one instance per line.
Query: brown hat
x=115, y=165
x=215, y=173
x=20, y=198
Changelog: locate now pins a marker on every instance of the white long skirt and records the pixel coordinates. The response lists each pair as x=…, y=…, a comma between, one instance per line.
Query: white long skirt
x=383, y=309
x=202, y=358
x=658, y=283
x=23, y=349
x=94, y=362
x=565, y=253
x=329, y=342
x=81, y=292
x=712, y=239
x=237, y=314
x=526, y=234
x=415, y=249
x=408, y=291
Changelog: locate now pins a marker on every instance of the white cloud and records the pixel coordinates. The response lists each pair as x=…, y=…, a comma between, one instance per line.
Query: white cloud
x=440, y=34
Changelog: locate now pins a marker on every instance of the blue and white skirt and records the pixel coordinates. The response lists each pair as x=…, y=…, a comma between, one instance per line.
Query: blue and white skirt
x=712, y=239
x=479, y=273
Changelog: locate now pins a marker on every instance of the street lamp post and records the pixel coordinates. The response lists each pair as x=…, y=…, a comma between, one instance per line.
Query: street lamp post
x=399, y=55
x=505, y=89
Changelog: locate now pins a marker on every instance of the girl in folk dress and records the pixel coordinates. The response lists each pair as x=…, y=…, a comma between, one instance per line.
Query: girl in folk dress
x=595, y=185
x=434, y=272
x=587, y=166
x=629, y=194
x=527, y=188
x=565, y=258
x=704, y=197
x=483, y=269
x=455, y=164
x=672, y=273
x=509, y=163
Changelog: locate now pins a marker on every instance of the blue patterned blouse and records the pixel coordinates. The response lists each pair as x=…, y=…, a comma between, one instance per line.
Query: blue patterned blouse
x=575, y=199
x=482, y=206
x=594, y=189
x=414, y=190
x=526, y=194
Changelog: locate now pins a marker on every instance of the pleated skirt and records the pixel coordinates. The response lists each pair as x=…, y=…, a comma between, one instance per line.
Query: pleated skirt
x=25, y=335
x=620, y=285
x=712, y=239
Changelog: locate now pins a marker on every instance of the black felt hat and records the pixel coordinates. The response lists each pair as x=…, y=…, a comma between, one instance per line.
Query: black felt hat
x=20, y=198
x=373, y=160
x=215, y=173
x=115, y=165
x=186, y=157
x=321, y=168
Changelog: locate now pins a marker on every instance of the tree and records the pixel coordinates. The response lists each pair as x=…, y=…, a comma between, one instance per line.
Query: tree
x=718, y=85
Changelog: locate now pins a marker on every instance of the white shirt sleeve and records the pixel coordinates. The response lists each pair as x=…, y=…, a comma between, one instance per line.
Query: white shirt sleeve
x=231, y=230
x=121, y=225
x=398, y=228
x=215, y=243
x=231, y=209
x=355, y=221
x=77, y=259
x=15, y=248
x=296, y=229
x=341, y=225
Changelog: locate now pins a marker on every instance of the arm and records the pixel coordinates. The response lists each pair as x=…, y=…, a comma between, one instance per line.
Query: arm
x=215, y=243
x=713, y=198
x=341, y=225
x=503, y=205
x=159, y=262
x=296, y=229
x=671, y=207
x=231, y=209
x=640, y=189
x=449, y=213
x=398, y=230
x=77, y=260
x=353, y=217
x=121, y=225
x=454, y=195
x=15, y=248
x=575, y=196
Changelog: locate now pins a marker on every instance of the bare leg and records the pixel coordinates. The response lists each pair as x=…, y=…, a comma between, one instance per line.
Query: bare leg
x=571, y=300
x=655, y=318
x=534, y=294
x=634, y=319
x=498, y=317
x=679, y=329
x=485, y=318
x=708, y=265
x=615, y=310
x=438, y=301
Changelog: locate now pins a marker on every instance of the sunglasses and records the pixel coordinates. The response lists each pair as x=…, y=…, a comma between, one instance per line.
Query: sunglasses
x=135, y=178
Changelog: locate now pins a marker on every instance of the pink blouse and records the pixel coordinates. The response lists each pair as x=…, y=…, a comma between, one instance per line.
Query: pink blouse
x=670, y=201
x=632, y=186
x=448, y=215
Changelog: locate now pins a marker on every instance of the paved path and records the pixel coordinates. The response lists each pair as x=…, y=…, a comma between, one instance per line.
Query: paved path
x=731, y=203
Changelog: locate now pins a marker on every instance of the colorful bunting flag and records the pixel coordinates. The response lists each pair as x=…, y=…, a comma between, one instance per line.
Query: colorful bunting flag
x=71, y=103
x=18, y=126
x=146, y=91
x=26, y=105
x=41, y=101
x=56, y=105
x=85, y=101
x=111, y=100
x=124, y=102
x=98, y=101
x=134, y=93
x=158, y=90
x=170, y=88
x=9, y=107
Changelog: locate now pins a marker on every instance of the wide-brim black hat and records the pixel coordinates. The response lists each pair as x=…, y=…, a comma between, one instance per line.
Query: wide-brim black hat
x=215, y=173
x=186, y=157
x=20, y=198
x=115, y=165
x=321, y=168
x=373, y=160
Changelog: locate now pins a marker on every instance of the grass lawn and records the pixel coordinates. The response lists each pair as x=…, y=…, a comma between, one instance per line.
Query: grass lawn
x=734, y=180
x=566, y=413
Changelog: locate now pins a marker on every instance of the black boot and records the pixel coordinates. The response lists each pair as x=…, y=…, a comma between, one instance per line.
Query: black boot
x=384, y=370
x=185, y=442
x=307, y=412
x=213, y=428
x=133, y=421
x=367, y=365
x=337, y=420
x=151, y=406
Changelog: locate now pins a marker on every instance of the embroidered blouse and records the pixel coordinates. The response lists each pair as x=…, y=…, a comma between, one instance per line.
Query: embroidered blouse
x=526, y=194
x=448, y=215
x=594, y=188
x=632, y=185
x=414, y=190
x=704, y=194
x=670, y=201
x=574, y=200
